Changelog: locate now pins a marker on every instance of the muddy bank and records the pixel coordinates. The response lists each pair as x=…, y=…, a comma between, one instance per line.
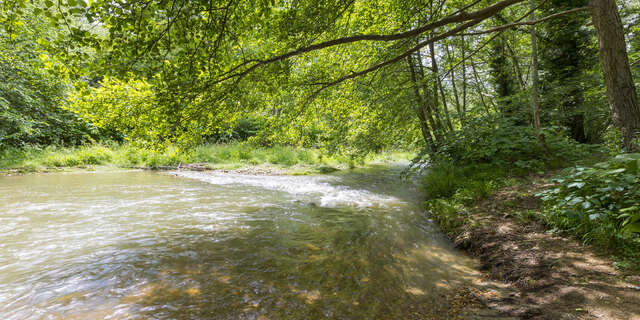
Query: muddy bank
x=546, y=276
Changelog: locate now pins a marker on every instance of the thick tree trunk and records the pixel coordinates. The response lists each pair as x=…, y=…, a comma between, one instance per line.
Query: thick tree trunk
x=621, y=91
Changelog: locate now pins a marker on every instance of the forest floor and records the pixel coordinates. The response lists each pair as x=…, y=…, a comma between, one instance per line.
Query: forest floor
x=545, y=275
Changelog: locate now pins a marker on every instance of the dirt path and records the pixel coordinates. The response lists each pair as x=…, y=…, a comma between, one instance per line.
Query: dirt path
x=547, y=276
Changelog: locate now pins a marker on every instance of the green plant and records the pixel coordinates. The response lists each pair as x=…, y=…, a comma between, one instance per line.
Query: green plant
x=502, y=142
x=465, y=184
x=449, y=214
x=600, y=204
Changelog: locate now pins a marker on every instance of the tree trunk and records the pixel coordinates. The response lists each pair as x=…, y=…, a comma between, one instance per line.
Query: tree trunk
x=480, y=88
x=453, y=85
x=621, y=91
x=433, y=103
x=464, y=78
x=516, y=66
x=438, y=84
x=421, y=110
x=534, y=72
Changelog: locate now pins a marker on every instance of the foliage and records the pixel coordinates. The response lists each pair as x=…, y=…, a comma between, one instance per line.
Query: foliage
x=488, y=154
x=502, y=77
x=34, y=158
x=502, y=143
x=247, y=128
x=121, y=107
x=567, y=53
x=600, y=204
x=466, y=183
x=32, y=84
x=450, y=189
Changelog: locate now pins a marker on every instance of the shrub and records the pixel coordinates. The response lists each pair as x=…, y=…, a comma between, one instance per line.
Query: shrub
x=283, y=155
x=600, y=204
x=501, y=142
x=246, y=128
x=607, y=195
x=474, y=161
x=464, y=183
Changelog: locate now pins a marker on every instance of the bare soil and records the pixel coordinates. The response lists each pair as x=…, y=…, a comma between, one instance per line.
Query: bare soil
x=545, y=275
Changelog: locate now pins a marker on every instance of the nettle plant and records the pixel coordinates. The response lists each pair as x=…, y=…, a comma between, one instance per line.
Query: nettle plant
x=599, y=203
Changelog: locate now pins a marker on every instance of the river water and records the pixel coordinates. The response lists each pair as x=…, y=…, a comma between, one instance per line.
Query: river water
x=192, y=245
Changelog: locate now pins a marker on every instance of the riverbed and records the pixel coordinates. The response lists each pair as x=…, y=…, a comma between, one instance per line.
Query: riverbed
x=205, y=245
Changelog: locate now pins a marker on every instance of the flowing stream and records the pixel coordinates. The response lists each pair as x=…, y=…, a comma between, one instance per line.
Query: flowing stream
x=199, y=245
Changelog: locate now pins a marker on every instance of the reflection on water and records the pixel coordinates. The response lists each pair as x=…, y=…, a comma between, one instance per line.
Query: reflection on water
x=185, y=245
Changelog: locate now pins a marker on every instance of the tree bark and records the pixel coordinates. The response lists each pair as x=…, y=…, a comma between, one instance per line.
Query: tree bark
x=432, y=106
x=534, y=72
x=452, y=74
x=621, y=91
x=516, y=65
x=438, y=84
x=464, y=78
x=426, y=123
x=480, y=87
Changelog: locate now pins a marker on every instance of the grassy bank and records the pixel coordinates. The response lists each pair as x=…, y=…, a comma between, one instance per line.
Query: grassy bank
x=214, y=156
x=596, y=202
x=549, y=271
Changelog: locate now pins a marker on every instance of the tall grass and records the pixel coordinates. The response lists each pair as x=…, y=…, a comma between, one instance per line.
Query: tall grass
x=127, y=156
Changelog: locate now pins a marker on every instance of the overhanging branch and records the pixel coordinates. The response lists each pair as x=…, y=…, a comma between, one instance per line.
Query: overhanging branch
x=524, y=23
x=459, y=17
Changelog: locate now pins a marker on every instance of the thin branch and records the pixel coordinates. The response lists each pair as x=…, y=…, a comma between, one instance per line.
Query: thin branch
x=397, y=58
x=478, y=15
x=525, y=23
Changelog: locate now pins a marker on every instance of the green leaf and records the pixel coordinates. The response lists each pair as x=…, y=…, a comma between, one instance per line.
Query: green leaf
x=577, y=185
x=632, y=227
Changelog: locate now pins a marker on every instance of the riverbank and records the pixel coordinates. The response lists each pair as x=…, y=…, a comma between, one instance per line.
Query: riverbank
x=234, y=158
x=549, y=275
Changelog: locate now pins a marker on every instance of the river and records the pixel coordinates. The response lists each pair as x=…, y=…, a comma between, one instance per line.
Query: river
x=202, y=245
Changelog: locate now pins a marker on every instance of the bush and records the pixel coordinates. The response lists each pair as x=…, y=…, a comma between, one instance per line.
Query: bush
x=474, y=161
x=465, y=183
x=30, y=112
x=503, y=143
x=600, y=204
x=246, y=128
x=283, y=155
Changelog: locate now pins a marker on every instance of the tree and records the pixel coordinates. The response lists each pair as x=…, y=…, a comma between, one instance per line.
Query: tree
x=566, y=57
x=32, y=85
x=621, y=91
x=534, y=71
x=213, y=56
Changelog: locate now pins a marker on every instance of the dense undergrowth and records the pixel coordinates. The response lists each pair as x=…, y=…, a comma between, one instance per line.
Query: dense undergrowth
x=599, y=204
x=35, y=159
x=596, y=199
x=488, y=153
